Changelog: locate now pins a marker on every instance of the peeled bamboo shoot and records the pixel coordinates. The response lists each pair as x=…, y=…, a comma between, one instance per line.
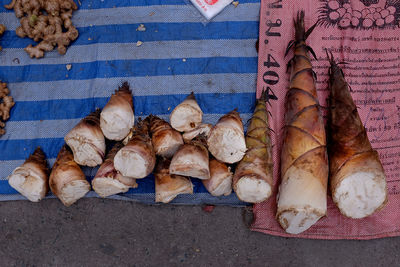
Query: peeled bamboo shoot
x=108, y=181
x=226, y=141
x=67, y=181
x=191, y=159
x=164, y=138
x=187, y=115
x=31, y=178
x=86, y=141
x=168, y=186
x=220, y=182
x=137, y=158
x=117, y=118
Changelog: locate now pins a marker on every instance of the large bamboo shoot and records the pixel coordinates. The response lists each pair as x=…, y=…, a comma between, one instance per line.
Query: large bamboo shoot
x=302, y=199
x=357, y=178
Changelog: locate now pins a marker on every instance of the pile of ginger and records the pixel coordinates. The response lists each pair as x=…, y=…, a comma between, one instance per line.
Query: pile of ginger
x=47, y=22
x=6, y=103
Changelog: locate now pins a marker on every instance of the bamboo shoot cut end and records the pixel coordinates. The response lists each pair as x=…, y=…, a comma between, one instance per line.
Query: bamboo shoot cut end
x=85, y=153
x=73, y=191
x=28, y=184
x=227, y=144
x=185, y=118
x=252, y=190
x=224, y=188
x=360, y=194
x=131, y=164
x=302, y=200
x=297, y=221
x=116, y=123
x=191, y=160
x=105, y=187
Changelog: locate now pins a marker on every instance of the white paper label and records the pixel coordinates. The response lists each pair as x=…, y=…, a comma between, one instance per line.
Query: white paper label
x=210, y=8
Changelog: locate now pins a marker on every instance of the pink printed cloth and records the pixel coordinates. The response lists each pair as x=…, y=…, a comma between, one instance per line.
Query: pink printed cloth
x=366, y=35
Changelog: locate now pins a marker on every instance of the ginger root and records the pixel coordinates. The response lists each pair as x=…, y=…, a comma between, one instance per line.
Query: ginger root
x=6, y=103
x=47, y=22
x=2, y=30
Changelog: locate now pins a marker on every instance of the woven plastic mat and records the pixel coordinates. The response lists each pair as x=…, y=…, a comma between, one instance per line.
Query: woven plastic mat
x=178, y=54
x=366, y=35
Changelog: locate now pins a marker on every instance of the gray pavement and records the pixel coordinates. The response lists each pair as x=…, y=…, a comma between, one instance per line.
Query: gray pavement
x=96, y=232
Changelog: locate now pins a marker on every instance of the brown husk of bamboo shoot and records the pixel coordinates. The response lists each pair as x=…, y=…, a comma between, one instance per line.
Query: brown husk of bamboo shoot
x=192, y=160
x=252, y=181
x=31, y=179
x=226, y=141
x=220, y=182
x=108, y=181
x=357, y=178
x=67, y=180
x=117, y=116
x=304, y=162
x=165, y=139
x=187, y=115
x=168, y=186
x=137, y=158
x=86, y=141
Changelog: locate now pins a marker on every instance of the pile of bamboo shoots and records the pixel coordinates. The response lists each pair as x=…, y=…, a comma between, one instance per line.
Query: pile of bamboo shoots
x=187, y=148
x=175, y=152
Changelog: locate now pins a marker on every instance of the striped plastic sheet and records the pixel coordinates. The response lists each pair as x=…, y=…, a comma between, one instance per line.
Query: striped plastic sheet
x=179, y=54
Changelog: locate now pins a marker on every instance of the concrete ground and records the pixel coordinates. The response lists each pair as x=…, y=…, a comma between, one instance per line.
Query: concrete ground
x=96, y=232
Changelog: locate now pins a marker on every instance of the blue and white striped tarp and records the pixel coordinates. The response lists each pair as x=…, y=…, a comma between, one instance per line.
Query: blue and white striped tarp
x=179, y=54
